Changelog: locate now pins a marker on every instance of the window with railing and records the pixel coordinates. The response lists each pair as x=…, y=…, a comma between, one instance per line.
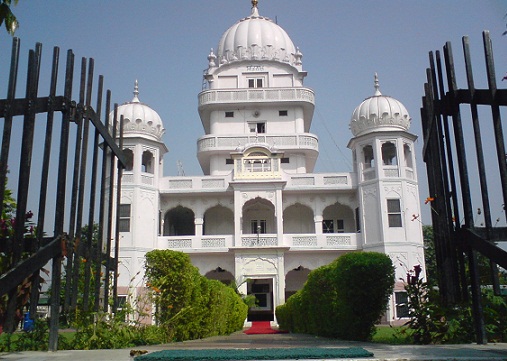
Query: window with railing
x=257, y=164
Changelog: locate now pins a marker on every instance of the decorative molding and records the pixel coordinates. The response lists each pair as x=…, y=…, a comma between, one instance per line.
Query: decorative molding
x=218, y=242
x=304, y=241
x=261, y=241
x=336, y=241
x=179, y=243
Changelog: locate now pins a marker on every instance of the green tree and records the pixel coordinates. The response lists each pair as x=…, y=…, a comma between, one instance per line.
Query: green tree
x=7, y=17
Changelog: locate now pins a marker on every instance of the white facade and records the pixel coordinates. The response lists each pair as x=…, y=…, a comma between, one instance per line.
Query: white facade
x=259, y=216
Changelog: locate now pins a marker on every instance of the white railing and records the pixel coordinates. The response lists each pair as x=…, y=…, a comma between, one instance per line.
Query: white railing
x=204, y=243
x=323, y=180
x=255, y=241
x=256, y=95
x=333, y=241
x=207, y=183
x=300, y=141
x=345, y=241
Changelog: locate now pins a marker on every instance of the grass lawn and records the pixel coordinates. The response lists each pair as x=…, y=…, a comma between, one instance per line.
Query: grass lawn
x=391, y=335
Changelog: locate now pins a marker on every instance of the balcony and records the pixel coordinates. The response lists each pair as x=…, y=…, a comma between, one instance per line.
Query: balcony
x=300, y=242
x=251, y=95
x=194, y=184
x=219, y=98
x=213, y=143
x=321, y=181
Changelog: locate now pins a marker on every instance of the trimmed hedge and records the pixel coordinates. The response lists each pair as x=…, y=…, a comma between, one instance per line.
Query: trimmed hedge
x=344, y=299
x=189, y=305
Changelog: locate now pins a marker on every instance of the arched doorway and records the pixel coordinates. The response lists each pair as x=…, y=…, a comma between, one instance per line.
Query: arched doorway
x=218, y=220
x=298, y=219
x=179, y=221
x=259, y=217
x=262, y=289
x=295, y=280
x=221, y=275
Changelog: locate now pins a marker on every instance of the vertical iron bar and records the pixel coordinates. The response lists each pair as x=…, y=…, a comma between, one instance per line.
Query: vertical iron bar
x=74, y=242
x=109, y=231
x=34, y=295
x=4, y=158
x=465, y=195
x=24, y=176
x=102, y=210
x=117, y=221
x=81, y=188
x=458, y=137
x=89, y=254
x=454, y=255
x=480, y=158
x=6, y=137
x=60, y=206
x=495, y=110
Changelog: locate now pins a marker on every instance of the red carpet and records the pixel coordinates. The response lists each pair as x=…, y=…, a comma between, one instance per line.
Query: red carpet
x=261, y=328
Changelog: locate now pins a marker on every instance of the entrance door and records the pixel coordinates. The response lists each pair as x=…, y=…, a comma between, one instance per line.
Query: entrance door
x=263, y=291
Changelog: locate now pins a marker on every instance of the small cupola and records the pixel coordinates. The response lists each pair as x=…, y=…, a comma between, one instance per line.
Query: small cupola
x=379, y=113
x=139, y=119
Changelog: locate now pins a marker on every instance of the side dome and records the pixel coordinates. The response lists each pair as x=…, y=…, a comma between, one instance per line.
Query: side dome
x=257, y=38
x=139, y=119
x=379, y=113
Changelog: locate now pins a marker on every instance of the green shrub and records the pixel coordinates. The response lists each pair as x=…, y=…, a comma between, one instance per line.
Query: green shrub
x=364, y=283
x=189, y=305
x=344, y=299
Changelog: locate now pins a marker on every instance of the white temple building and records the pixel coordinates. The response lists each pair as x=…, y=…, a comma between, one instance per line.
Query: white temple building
x=258, y=215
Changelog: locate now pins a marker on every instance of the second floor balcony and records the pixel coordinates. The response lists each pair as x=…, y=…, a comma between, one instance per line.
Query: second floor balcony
x=219, y=98
x=222, y=243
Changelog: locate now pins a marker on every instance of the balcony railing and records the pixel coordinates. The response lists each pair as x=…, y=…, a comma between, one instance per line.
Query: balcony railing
x=322, y=180
x=218, y=243
x=197, y=184
x=300, y=141
x=256, y=95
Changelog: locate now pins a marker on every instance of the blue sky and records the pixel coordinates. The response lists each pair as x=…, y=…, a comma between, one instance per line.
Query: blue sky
x=164, y=44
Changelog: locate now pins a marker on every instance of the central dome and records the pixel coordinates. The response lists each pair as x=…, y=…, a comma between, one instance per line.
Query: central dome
x=257, y=38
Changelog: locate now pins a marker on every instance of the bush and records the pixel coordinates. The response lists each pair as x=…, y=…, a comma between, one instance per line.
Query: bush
x=364, y=283
x=344, y=299
x=189, y=305
x=432, y=322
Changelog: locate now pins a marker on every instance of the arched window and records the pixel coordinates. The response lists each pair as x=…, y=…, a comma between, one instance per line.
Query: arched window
x=179, y=221
x=369, y=160
x=407, y=153
x=389, y=154
x=129, y=156
x=147, y=162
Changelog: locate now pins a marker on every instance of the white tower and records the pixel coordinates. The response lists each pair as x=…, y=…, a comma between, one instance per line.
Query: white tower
x=388, y=194
x=139, y=203
x=256, y=116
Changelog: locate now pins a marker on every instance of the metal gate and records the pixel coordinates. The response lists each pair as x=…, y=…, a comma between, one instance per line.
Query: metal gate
x=456, y=152
x=75, y=160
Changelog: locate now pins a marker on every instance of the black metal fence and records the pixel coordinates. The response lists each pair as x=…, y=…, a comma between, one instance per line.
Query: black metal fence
x=464, y=152
x=71, y=196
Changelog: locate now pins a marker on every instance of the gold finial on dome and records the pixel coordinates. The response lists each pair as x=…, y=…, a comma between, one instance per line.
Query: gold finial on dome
x=255, y=11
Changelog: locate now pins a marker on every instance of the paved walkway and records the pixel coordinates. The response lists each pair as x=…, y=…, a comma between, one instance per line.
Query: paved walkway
x=469, y=352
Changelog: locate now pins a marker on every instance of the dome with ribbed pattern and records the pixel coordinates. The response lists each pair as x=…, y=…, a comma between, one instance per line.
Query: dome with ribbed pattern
x=257, y=38
x=379, y=113
x=140, y=119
